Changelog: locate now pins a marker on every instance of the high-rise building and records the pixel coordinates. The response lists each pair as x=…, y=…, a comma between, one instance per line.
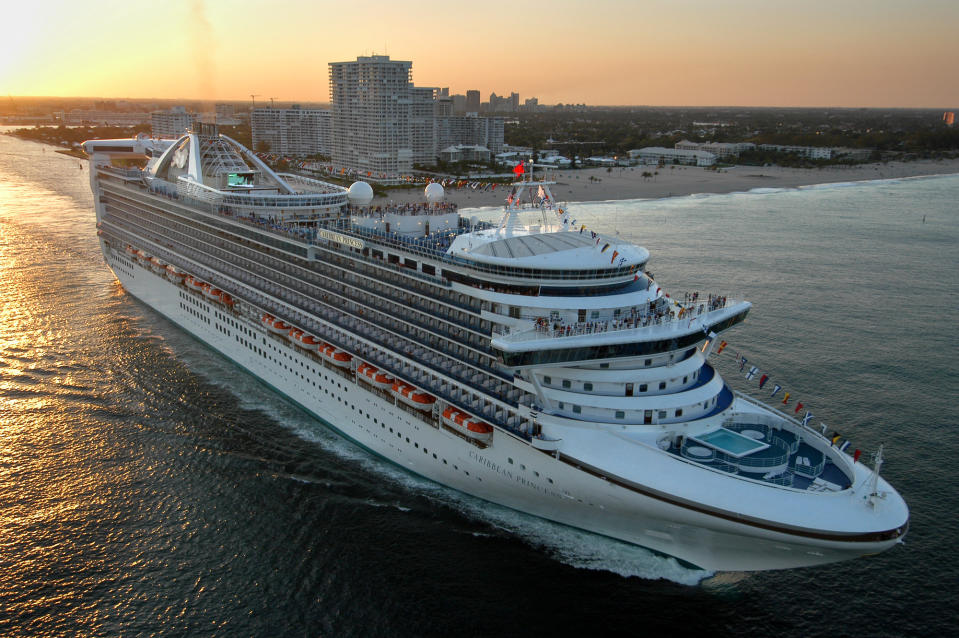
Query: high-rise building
x=373, y=105
x=172, y=123
x=472, y=101
x=293, y=131
x=470, y=130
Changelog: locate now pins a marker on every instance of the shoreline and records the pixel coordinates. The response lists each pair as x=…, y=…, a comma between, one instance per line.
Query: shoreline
x=682, y=181
x=621, y=183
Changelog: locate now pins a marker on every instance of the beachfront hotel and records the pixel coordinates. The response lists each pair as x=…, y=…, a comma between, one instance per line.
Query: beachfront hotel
x=293, y=131
x=381, y=124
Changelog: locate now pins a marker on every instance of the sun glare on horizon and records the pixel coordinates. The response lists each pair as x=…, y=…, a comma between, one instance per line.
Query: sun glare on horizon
x=881, y=53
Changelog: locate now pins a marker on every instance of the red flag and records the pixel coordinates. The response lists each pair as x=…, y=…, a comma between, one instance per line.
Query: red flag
x=798, y=407
x=721, y=346
x=518, y=169
x=855, y=456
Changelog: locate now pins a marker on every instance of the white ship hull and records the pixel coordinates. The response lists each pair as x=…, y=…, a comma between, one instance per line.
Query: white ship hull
x=509, y=472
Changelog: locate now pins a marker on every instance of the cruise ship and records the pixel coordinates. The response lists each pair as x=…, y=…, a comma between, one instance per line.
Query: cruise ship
x=524, y=362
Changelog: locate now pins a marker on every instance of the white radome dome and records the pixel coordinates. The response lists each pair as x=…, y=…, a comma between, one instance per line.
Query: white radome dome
x=360, y=194
x=434, y=192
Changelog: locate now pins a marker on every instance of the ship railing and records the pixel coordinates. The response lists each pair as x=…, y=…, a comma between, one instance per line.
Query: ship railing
x=646, y=324
x=126, y=173
x=807, y=434
x=254, y=199
x=310, y=185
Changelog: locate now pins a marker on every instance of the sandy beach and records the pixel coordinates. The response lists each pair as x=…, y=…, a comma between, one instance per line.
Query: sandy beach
x=629, y=183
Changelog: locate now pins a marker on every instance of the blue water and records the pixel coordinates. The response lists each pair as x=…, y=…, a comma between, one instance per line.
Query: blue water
x=149, y=486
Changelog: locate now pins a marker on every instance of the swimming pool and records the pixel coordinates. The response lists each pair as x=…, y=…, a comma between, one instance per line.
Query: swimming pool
x=732, y=443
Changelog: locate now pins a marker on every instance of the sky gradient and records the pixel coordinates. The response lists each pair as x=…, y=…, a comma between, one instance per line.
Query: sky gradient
x=879, y=53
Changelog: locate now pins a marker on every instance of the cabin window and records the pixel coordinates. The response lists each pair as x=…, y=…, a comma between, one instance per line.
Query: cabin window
x=620, y=414
x=514, y=312
x=566, y=383
x=685, y=379
x=594, y=314
x=662, y=385
x=662, y=414
x=679, y=412
x=577, y=409
x=648, y=362
x=588, y=387
x=643, y=387
x=548, y=380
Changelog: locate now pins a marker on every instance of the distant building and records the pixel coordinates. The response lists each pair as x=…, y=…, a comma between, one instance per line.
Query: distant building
x=465, y=153
x=809, y=152
x=373, y=109
x=659, y=155
x=470, y=130
x=226, y=115
x=472, y=101
x=719, y=149
x=173, y=123
x=99, y=117
x=293, y=131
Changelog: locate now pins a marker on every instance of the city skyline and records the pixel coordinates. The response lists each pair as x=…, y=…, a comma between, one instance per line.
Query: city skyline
x=694, y=53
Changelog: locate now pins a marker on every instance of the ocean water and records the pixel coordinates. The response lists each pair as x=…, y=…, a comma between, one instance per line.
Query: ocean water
x=148, y=486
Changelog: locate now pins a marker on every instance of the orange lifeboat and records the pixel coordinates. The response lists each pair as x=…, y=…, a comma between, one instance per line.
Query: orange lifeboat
x=195, y=283
x=267, y=320
x=143, y=257
x=471, y=427
x=336, y=357
x=295, y=334
x=366, y=372
x=131, y=250
x=280, y=327
x=157, y=265
x=227, y=300
x=308, y=341
x=173, y=273
x=213, y=293
x=412, y=397
x=382, y=380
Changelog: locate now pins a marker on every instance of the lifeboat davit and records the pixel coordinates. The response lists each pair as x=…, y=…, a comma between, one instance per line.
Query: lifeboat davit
x=143, y=257
x=227, y=300
x=213, y=293
x=131, y=250
x=412, y=397
x=336, y=357
x=195, y=283
x=471, y=427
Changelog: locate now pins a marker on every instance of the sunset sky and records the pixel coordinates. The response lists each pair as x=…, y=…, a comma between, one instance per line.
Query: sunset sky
x=883, y=53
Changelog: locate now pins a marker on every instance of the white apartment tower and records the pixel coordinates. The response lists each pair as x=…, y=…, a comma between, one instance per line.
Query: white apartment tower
x=172, y=123
x=379, y=117
x=293, y=131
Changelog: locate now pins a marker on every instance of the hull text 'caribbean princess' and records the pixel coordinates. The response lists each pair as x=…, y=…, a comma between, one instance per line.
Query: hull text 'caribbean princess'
x=524, y=363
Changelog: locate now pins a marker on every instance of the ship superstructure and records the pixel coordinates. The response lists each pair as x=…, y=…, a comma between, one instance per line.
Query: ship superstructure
x=528, y=362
